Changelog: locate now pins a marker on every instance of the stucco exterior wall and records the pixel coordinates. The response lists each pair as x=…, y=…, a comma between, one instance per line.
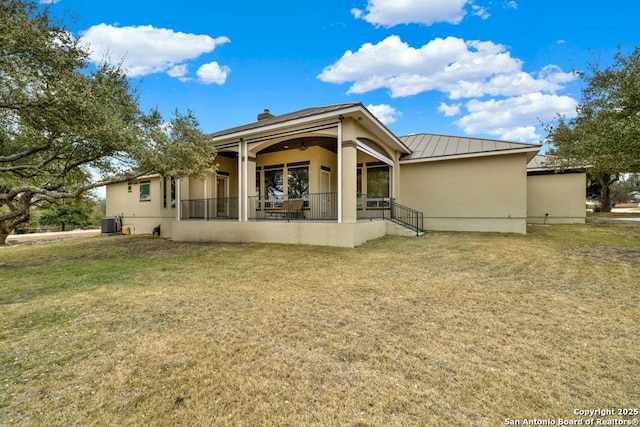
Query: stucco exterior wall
x=477, y=194
x=556, y=198
x=295, y=232
x=140, y=216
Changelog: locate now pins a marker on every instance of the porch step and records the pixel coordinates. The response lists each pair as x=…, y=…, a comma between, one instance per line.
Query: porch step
x=396, y=229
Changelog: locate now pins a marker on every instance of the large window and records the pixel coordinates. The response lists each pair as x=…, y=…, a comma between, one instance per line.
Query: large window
x=274, y=182
x=378, y=181
x=298, y=182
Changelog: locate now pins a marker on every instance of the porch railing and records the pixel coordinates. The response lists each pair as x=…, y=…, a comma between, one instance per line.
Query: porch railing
x=387, y=208
x=316, y=207
x=219, y=208
x=407, y=217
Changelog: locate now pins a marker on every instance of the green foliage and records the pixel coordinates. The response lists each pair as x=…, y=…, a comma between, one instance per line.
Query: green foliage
x=605, y=134
x=67, y=215
x=66, y=127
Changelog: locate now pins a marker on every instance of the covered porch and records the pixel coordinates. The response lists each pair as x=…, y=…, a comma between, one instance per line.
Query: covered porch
x=295, y=181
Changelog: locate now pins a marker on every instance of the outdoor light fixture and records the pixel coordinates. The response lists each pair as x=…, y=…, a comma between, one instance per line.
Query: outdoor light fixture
x=302, y=145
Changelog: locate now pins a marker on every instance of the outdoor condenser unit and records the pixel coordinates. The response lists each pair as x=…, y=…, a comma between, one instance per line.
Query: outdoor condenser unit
x=108, y=225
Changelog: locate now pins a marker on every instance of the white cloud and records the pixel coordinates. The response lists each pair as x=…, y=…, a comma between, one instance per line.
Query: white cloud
x=213, y=73
x=384, y=112
x=388, y=13
x=480, y=11
x=144, y=49
x=459, y=68
x=449, y=110
x=177, y=70
x=49, y=1
x=512, y=5
x=514, y=118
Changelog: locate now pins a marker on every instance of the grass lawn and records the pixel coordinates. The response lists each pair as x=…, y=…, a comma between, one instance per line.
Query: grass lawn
x=445, y=329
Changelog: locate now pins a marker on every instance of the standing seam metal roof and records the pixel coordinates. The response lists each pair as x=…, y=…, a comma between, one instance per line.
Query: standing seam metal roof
x=430, y=146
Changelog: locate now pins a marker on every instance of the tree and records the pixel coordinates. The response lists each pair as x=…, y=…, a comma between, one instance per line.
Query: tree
x=67, y=214
x=605, y=134
x=66, y=127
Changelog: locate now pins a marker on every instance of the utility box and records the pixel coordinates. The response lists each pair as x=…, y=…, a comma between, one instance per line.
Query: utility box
x=109, y=226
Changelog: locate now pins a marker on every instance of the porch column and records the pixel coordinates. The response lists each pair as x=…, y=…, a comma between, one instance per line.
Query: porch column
x=245, y=181
x=349, y=169
x=251, y=186
x=240, y=204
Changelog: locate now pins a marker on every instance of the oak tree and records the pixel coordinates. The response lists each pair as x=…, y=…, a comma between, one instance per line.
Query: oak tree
x=604, y=136
x=67, y=127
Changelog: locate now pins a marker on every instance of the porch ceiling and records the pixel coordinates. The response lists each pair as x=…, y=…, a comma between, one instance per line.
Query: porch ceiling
x=327, y=143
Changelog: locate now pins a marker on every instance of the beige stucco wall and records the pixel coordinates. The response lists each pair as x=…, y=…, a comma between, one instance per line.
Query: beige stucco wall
x=556, y=198
x=140, y=216
x=477, y=194
x=295, y=232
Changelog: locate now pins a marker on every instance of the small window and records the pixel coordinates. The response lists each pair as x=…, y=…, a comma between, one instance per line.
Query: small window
x=145, y=191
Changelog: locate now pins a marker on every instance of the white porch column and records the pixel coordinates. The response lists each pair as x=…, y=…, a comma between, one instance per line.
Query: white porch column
x=240, y=204
x=245, y=181
x=339, y=172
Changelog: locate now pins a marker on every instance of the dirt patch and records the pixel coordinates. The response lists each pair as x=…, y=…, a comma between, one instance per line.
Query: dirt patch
x=626, y=256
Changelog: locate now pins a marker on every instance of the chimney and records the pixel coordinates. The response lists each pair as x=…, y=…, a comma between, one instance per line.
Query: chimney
x=265, y=115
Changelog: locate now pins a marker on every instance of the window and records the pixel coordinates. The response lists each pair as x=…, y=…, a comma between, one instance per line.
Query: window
x=129, y=187
x=145, y=191
x=169, y=186
x=173, y=192
x=298, y=182
x=274, y=183
x=378, y=181
x=258, y=184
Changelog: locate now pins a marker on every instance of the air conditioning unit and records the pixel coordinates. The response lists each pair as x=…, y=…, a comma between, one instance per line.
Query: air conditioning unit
x=109, y=226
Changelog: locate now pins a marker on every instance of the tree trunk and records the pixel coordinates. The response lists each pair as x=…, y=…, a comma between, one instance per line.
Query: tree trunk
x=605, y=199
x=3, y=238
x=605, y=180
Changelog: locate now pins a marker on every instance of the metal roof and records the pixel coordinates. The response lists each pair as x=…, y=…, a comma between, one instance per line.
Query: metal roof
x=429, y=147
x=540, y=163
x=553, y=164
x=307, y=112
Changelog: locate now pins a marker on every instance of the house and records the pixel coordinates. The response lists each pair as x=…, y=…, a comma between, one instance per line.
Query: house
x=555, y=197
x=335, y=176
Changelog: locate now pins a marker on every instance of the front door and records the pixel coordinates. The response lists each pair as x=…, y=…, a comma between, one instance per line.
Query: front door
x=222, y=200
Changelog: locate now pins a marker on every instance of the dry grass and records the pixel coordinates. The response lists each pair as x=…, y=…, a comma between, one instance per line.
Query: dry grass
x=447, y=329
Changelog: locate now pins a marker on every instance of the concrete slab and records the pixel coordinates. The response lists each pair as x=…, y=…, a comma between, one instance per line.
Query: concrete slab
x=51, y=236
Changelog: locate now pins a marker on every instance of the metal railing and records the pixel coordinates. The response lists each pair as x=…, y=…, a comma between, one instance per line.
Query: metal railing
x=314, y=207
x=407, y=217
x=220, y=208
x=387, y=208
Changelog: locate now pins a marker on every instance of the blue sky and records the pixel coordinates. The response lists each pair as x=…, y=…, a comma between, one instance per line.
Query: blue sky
x=482, y=68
